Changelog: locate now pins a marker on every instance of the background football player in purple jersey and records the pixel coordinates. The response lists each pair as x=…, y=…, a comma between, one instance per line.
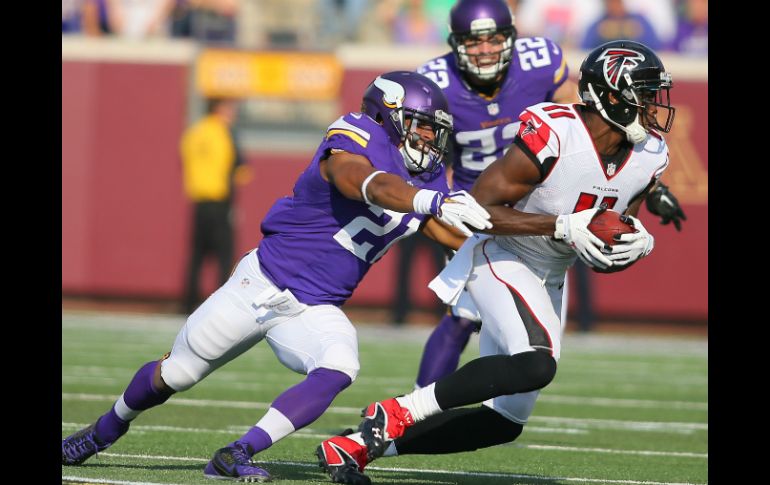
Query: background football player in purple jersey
x=376, y=177
x=489, y=78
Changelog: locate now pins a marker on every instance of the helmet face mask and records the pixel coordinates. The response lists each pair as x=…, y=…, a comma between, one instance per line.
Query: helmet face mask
x=484, y=64
x=652, y=102
x=414, y=113
x=482, y=37
x=627, y=83
x=424, y=139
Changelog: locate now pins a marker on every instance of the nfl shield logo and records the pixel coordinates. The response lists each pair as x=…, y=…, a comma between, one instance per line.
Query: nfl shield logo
x=611, y=169
x=493, y=109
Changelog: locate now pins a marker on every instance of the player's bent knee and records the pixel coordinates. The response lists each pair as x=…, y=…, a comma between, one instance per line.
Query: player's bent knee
x=334, y=380
x=157, y=377
x=531, y=370
x=341, y=358
x=545, y=371
x=176, y=376
x=349, y=369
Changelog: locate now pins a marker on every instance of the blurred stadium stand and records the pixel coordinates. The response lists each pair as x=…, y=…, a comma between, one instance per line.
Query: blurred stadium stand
x=126, y=102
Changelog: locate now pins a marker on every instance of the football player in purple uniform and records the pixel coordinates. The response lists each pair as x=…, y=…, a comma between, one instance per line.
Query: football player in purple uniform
x=489, y=78
x=375, y=178
x=567, y=163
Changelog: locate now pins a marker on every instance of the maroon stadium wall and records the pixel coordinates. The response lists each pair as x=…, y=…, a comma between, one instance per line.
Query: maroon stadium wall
x=125, y=220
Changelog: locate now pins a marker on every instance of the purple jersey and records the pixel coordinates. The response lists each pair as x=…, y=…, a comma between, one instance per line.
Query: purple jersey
x=320, y=244
x=484, y=127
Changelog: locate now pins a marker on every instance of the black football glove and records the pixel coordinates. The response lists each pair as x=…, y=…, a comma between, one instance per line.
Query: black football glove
x=662, y=202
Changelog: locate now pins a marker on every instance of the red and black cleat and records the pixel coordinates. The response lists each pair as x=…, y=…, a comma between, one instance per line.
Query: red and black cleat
x=383, y=422
x=344, y=460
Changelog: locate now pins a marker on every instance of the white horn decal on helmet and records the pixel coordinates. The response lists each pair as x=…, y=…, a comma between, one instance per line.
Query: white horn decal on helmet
x=392, y=93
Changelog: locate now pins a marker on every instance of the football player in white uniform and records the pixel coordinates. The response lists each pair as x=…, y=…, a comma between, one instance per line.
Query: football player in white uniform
x=566, y=163
x=489, y=77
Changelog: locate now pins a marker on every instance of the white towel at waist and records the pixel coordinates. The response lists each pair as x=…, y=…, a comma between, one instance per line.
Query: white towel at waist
x=449, y=284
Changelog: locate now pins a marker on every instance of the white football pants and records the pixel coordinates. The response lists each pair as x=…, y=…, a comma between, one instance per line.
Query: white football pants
x=249, y=308
x=519, y=313
x=466, y=308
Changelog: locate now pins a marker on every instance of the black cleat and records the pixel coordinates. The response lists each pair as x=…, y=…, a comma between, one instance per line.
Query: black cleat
x=344, y=460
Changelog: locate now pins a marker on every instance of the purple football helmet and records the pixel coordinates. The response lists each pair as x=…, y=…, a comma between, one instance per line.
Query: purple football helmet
x=410, y=107
x=470, y=19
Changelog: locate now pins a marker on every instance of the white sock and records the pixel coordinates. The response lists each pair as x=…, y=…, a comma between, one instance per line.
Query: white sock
x=421, y=402
x=275, y=424
x=123, y=411
x=356, y=437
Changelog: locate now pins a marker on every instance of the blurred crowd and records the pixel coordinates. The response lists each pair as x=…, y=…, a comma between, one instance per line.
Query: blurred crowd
x=669, y=25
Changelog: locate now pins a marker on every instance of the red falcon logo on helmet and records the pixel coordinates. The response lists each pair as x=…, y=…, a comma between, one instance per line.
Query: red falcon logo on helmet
x=614, y=62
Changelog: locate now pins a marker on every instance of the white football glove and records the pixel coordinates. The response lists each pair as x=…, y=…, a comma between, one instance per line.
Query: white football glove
x=572, y=229
x=632, y=246
x=460, y=209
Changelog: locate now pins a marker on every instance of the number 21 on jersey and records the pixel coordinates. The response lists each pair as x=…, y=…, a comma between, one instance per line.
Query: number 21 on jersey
x=376, y=235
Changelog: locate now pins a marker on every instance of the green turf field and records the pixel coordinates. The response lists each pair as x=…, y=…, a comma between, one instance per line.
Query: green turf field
x=622, y=410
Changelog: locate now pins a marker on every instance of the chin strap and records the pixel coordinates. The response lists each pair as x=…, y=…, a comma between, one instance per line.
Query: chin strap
x=409, y=161
x=635, y=133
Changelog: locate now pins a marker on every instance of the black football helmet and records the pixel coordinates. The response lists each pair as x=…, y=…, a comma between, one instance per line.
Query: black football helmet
x=639, y=83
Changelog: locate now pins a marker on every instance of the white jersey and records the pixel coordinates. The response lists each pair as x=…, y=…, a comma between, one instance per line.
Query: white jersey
x=575, y=179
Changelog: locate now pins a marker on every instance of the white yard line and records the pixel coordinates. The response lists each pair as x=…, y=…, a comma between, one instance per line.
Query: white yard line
x=618, y=452
x=574, y=344
x=547, y=398
x=377, y=468
x=577, y=422
x=626, y=403
x=88, y=374
x=621, y=424
x=311, y=434
x=203, y=403
x=114, y=482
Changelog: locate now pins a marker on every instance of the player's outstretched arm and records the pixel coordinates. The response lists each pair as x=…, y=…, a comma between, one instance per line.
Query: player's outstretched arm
x=501, y=185
x=348, y=172
x=357, y=179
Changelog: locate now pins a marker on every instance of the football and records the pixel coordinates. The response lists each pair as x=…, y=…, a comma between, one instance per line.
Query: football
x=606, y=224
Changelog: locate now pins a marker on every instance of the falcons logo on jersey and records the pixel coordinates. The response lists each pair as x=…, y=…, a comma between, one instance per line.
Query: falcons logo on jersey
x=533, y=132
x=615, y=60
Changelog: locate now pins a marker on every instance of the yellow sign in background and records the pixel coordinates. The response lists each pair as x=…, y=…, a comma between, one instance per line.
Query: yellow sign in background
x=281, y=75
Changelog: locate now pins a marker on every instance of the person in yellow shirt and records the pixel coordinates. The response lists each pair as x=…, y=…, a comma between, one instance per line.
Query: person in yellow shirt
x=211, y=163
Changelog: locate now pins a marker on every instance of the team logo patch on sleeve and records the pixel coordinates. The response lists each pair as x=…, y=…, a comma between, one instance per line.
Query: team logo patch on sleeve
x=534, y=133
